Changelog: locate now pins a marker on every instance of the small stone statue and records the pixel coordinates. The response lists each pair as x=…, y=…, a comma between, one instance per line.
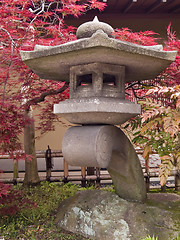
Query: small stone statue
x=49, y=164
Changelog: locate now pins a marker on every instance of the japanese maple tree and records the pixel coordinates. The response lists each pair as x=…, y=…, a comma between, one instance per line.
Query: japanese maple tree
x=23, y=24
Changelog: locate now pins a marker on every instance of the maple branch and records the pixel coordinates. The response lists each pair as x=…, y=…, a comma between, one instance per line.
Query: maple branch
x=42, y=97
x=132, y=84
x=140, y=84
x=3, y=29
x=35, y=10
x=10, y=63
x=42, y=10
x=136, y=96
x=147, y=85
x=32, y=3
x=49, y=5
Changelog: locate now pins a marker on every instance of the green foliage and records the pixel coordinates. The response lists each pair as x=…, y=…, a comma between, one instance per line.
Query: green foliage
x=155, y=238
x=158, y=127
x=150, y=238
x=36, y=221
x=158, y=130
x=169, y=190
x=109, y=188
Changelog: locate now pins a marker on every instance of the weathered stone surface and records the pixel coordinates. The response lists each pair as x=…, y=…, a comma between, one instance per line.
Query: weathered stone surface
x=87, y=29
x=97, y=110
x=108, y=147
x=101, y=215
x=97, y=80
x=141, y=62
x=125, y=168
x=89, y=146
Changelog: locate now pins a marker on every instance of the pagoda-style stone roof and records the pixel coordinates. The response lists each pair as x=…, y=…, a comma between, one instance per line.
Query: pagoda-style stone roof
x=141, y=62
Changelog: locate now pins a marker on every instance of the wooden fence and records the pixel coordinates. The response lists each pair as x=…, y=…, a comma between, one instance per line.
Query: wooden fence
x=83, y=175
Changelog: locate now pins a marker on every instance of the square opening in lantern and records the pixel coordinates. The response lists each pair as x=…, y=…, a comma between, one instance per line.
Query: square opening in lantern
x=109, y=80
x=84, y=80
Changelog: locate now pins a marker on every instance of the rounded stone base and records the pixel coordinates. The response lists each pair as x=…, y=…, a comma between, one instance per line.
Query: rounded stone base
x=102, y=215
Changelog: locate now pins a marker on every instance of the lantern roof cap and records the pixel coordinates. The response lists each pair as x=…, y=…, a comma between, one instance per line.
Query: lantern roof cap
x=87, y=29
x=141, y=62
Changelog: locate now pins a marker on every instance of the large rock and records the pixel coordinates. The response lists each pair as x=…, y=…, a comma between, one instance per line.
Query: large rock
x=102, y=215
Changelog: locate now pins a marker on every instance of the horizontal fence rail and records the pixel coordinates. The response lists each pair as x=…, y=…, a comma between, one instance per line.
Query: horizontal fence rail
x=84, y=175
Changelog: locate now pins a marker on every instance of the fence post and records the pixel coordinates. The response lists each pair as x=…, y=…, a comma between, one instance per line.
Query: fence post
x=177, y=180
x=66, y=172
x=83, y=174
x=98, y=181
x=15, y=171
x=90, y=172
x=147, y=178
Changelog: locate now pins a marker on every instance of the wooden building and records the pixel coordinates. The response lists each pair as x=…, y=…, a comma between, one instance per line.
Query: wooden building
x=137, y=15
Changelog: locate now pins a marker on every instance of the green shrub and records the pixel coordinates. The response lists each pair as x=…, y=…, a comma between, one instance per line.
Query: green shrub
x=29, y=213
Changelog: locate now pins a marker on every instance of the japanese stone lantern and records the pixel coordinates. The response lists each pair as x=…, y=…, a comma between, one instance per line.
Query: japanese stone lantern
x=98, y=66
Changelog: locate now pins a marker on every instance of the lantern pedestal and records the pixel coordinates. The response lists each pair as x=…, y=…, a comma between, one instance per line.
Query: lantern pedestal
x=106, y=146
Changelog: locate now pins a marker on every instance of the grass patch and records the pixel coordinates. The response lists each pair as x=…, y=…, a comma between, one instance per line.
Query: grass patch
x=158, y=190
x=155, y=238
x=29, y=213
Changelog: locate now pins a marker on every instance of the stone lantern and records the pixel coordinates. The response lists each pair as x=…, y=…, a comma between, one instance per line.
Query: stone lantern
x=98, y=66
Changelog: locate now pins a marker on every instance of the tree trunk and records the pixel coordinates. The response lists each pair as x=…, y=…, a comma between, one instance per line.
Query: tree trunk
x=31, y=171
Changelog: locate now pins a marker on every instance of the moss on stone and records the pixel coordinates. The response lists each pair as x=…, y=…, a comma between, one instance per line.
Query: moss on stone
x=110, y=217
